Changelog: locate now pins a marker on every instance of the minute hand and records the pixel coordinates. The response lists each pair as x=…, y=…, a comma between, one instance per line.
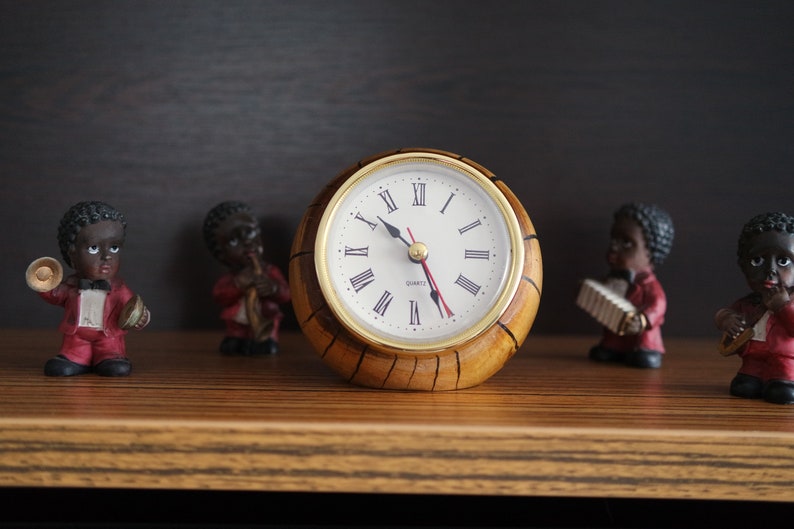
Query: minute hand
x=434, y=287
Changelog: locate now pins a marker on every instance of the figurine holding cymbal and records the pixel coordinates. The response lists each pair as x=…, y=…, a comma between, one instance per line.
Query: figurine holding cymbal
x=98, y=307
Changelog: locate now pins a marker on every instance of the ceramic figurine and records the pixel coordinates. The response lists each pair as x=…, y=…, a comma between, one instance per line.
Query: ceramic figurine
x=760, y=326
x=641, y=238
x=98, y=307
x=252, y=290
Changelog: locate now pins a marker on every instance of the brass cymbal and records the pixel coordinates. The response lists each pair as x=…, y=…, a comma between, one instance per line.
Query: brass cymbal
x=132, y=313
x=44, y=274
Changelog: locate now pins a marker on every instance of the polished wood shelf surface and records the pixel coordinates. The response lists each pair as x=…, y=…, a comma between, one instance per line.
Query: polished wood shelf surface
x=550, y=423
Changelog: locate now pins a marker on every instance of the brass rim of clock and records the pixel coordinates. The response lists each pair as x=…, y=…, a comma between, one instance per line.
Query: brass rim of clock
x=485, y=183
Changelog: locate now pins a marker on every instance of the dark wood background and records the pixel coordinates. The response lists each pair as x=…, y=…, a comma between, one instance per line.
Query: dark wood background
x=164, y=109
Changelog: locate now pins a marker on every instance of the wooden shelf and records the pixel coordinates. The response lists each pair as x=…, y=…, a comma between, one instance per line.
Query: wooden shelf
x=551, y=423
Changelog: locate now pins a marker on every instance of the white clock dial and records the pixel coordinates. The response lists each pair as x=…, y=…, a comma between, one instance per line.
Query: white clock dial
x=418, y=253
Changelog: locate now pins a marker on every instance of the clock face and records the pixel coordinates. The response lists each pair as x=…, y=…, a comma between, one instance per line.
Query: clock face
x=418, y=253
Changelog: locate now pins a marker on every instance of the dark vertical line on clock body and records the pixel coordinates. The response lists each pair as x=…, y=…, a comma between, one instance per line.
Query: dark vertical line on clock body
x=358, y=364
x=330, y=344
x=512, y=336
x=438, y=369
x=457, y=367
x=527, y=238
x=391, y=370
x=413, y=371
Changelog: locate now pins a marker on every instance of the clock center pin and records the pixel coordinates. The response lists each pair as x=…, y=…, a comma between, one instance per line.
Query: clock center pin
x=417, y=251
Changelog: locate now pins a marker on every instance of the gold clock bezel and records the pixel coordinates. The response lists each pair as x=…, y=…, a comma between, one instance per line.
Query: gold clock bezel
x=470, y=332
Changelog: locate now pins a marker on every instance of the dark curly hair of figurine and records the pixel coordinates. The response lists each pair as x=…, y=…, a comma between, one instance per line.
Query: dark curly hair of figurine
x=656, y=225
x=83, y=214
x=761, y=223
x=215, y=217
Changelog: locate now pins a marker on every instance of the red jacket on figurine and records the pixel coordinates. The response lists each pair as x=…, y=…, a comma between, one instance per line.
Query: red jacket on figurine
x=232, y=300
x=647, y=295
x=770, y=354
x=67, y=295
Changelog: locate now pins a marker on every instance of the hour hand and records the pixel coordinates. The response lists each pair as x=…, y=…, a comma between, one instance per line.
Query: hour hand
x=394, y=231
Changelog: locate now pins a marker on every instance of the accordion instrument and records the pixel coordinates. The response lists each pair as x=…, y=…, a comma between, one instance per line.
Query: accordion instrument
x=607, y=306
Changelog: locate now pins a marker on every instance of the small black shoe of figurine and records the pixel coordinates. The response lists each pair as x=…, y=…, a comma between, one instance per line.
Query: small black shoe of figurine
x=603, y=354
x=268, y=347
x=231, y=345
x=779, y=392
x=60, y=366
x=114, y=367
x=746, y=386
x=644, y=358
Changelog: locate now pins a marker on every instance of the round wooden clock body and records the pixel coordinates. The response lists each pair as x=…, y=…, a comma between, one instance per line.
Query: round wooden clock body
x=416, y=269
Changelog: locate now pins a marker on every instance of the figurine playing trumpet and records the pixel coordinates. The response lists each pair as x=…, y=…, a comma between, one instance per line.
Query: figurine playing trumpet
x=252, y=290
x=99, y=308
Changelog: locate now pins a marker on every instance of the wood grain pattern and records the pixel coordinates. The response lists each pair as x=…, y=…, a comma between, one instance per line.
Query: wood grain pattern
x=550, y=423
x=371, y=365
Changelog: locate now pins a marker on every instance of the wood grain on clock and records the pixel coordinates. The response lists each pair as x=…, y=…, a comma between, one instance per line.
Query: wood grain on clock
x=371, y=365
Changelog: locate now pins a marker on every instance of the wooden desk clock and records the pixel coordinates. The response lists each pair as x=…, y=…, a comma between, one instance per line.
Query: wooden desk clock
x=416, y=269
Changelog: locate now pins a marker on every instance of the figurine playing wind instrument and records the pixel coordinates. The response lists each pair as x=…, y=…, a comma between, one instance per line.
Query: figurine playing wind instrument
x=252, y=290
x=98, y=307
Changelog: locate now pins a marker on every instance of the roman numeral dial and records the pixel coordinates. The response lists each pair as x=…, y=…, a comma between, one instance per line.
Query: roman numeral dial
x=418, y=254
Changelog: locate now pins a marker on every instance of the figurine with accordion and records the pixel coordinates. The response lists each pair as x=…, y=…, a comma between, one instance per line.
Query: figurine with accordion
x=630, y=303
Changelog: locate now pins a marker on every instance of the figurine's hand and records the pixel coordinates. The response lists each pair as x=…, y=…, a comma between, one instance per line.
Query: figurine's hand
x=776, y=297
x=246, y=278
x=264, y=286
x=730, y=322
x=635, y=325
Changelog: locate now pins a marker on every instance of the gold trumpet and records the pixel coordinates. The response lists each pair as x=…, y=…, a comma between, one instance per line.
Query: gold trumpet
x=44, y=274
x=260, y=326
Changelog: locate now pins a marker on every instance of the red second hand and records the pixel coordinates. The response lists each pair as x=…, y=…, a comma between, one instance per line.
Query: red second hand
x=430, y=275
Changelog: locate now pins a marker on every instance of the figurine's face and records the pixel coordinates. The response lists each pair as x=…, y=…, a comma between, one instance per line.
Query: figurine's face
x=769, y=261
x=239, y=238
x=627, y=250
x=96, y=252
